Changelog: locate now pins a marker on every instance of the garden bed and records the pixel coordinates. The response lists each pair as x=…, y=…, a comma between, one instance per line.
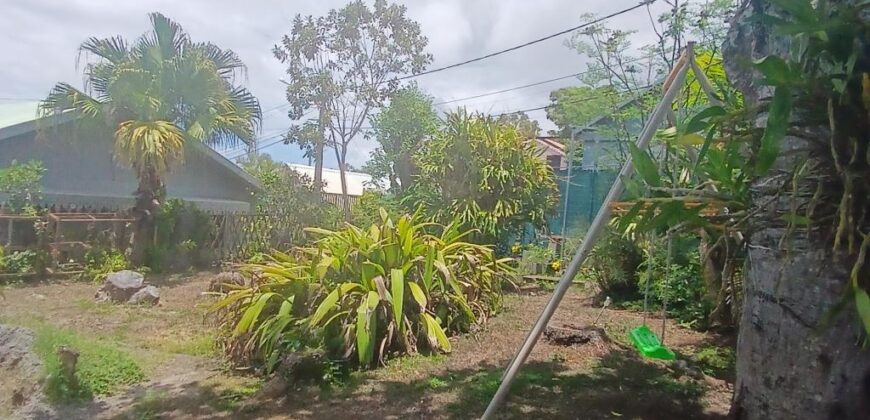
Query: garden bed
x=172, y=344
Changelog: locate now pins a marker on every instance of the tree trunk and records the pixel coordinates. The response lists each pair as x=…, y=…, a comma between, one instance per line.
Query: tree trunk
x=791, y=364
x=342, y=172
x=405, y=170
x=318, y=155
x=148, y=198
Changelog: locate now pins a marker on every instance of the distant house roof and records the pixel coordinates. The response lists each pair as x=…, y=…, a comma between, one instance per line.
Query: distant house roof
x=357, y=182
x=19, y=117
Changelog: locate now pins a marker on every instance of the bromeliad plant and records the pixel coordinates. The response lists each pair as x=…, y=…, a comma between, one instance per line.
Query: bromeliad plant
x=390, y=289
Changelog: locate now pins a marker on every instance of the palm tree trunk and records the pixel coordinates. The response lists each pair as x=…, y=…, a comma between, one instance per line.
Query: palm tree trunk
x=790, y=362
x=148, y=198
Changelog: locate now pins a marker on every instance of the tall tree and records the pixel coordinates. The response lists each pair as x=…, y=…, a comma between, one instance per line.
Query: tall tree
x=799, y=352
x=346, y=64
x=400, y=129
x=527, y=127
x=156, y=95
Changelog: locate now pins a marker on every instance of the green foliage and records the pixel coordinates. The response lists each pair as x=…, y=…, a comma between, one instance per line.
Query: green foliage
x=183, y=230
x=21, y=182
x=101, y=262
x=520, y=121
x=486, y=174
x=288, y=204
x=613, y=267
x=366, y=211
x=715, y=361
x=400, y=130
x=388, y=289
x=345, y=64
x=18, y=262
x=684, y=288
x=101, y=370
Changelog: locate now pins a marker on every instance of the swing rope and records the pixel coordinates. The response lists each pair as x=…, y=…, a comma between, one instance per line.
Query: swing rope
x=668, y=261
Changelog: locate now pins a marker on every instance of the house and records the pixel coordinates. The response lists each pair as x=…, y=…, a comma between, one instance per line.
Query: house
x=81, y=173
x=357, y=183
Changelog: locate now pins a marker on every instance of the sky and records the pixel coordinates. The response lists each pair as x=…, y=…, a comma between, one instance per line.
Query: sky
x=40, y=40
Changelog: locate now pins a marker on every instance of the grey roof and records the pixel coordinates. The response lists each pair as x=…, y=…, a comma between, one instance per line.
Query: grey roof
x=19, y=117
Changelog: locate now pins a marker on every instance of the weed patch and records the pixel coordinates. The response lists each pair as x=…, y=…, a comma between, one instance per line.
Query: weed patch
x=102, y=368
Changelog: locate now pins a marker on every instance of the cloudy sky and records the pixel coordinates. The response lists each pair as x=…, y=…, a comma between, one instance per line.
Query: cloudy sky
x=40, y=38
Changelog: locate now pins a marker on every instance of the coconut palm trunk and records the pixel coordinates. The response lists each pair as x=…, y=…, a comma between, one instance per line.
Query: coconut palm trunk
x=791, y=362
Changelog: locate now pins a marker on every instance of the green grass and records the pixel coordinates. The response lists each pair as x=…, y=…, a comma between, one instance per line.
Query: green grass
x=102, y=367
x=198, y=345
x=715, y=361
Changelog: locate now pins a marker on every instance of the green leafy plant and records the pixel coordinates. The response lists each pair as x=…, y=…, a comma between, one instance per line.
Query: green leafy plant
x=486, y=174
x=182, y=229
x=612, y=267
x=21, y=182
x=19, y=262
x=101, y=262
x=392, y=288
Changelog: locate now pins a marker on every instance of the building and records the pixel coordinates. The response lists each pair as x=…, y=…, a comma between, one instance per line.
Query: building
x=81, y=172
x=357, y=183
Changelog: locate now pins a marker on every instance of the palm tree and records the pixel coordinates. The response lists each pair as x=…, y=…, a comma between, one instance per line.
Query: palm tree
x=157, y=95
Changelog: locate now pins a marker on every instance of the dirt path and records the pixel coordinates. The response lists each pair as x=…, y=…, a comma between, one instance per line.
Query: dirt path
x=186, y=381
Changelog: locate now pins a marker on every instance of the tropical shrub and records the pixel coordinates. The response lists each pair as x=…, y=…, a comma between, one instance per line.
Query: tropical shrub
x=485, y=173
x=390, y=289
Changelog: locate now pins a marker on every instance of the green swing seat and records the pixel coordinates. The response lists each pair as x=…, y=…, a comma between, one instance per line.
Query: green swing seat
x=649, y=345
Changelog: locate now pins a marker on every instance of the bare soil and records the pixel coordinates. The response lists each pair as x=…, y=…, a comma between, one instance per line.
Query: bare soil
x=601, y=379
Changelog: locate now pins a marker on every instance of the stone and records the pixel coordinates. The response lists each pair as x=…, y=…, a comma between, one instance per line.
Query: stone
x=220, y=282
x=120, y=286
x=149, y=295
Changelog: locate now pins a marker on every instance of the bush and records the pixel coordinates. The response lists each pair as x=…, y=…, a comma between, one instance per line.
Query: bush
x=100, y=262
x=389, y=289
x=613, y=265
x=182, y=231
x=485, y=173
x=684, y=289
x=22, y=183
x=19, y=262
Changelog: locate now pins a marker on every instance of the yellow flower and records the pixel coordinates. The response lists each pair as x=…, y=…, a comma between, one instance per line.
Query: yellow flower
x=556, y=265
x=516, y=248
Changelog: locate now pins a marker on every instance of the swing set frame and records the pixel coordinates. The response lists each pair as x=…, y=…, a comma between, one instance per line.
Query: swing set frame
x=671, y=87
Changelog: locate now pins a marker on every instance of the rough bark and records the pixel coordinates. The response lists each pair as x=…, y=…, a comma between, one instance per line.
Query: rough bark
x=148, y=197
x=790, y=362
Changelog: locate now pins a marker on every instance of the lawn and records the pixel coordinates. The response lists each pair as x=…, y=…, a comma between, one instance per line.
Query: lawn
x=174, y=371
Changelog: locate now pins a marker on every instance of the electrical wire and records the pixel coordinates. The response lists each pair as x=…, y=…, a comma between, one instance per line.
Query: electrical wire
x=532, y=42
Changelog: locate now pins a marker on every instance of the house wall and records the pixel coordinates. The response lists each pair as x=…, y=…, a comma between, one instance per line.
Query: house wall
x=82, y=172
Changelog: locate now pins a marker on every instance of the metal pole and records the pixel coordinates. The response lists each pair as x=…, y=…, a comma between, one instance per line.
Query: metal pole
x=567, y=191
x=598, y=224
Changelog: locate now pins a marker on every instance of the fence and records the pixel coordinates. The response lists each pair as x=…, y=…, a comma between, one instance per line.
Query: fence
x=585, y=193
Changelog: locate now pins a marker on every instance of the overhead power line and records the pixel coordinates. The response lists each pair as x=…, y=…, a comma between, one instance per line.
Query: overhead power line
x=562, y=103
x=533, y=84
x=532, y=42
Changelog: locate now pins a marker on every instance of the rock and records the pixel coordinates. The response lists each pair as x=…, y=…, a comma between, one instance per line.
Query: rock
x=120, y=286
x=20, y=373
x=149, y=295
x=68, y=357
x=220, y=282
